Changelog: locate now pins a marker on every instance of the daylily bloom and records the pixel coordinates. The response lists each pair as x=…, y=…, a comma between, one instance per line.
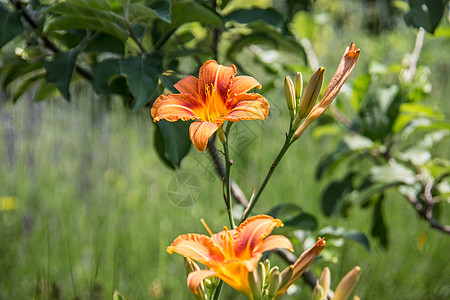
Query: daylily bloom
x=231, y=254
x=215, y=97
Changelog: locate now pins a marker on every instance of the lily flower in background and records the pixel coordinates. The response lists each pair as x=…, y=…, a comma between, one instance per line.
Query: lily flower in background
x=231, y=255
x=215, y=97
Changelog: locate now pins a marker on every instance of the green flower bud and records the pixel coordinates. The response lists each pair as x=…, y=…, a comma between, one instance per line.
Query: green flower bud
x=298, y=84
x=289, y=93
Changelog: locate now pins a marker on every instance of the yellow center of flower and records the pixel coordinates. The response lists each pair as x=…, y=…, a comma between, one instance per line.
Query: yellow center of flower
x=214, y=108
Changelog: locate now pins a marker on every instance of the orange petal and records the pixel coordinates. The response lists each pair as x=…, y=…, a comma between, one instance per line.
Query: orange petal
x=198, y=247
x=200, y=132
x=235, y=274
x=248, y=107
x=195, y=278
x=188, y=85
x=242, y=84
x=250, y=234
x=219, y=76
x=175, y=106
x=273, y=242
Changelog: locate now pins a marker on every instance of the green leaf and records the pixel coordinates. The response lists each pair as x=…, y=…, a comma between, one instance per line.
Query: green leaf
x=293, y=216
x=118, y=296
x=339, y=232
x=105, y=43
x=268, y=16
x=138, y=12
x=379, y=229
x=173, y=141
x=45, y=92
x=363, y=195
x=142, y=74
x=360, y=87
x=26, y=84
x=101, y=74
x=10, y=25
x=425, y=13
x=331, y=161
x=72, y=15
x=190, y=11
x=392, y=173
x=18, y=68
x=304, y=25
x=60, y=70
x=163, y=8
x=333, y=200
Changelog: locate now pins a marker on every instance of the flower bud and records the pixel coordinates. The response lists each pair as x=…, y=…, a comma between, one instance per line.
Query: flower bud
x=191, y=266
x=222, y=135
x=289, y=93
x=255, y=280
x=298, y=84
x=311, y=93
x=318, y=293
x=347, y=284
x=324, y=280
x=274, y=282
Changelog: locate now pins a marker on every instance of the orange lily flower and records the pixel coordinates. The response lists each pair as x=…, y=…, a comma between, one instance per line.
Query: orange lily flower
x=215, y=97
x=231, y=254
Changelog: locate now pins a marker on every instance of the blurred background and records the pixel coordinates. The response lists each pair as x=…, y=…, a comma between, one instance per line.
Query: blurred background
x=91, y=193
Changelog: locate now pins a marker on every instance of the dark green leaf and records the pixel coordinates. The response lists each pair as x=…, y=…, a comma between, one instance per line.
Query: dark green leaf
x=379, y=229
x=80, y=14
x=10, y=25
x=163, y=8
x=105, y=43
x=175, y=142
x=425, y=13
x=26, y=84
x=160, y=148
x=339, y=232
x=302, y=221
x=371, y=190
x=190, y=11
x=60, y=70
x=18, y=68
x=333, y=200
x=101, y=74
x=142, y=75
x=269, y=16
x=331, y=161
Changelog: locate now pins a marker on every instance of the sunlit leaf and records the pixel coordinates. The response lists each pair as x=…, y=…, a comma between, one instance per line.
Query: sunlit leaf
x=339, y=232
x=18, y=68
x=392, y=173
x=60, y=70
x=304, y=25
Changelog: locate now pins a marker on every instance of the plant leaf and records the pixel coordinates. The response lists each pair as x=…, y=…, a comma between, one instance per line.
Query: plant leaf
x=60, y=70
x=10, y=25
x=175, y=142
x=142, y=74
x=340, y=232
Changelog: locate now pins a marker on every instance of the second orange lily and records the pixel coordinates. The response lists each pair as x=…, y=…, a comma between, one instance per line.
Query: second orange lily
x=215, y=97
x=231, y=254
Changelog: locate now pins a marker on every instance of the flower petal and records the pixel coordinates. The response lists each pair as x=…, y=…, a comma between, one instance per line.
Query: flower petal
x=195, y=278
x=188, y=85
x=250, y=234
x=235, y=274
x=200, y=132
x=175, y=106
x=219, y=76
x=247, y=107
x=242, y=84
x=198, y=247
x=273, y=242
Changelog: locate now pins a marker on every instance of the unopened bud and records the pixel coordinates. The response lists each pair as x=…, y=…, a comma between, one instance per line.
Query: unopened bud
x=311, y=93
x=298, y=84
x=199, y=290
x=347, y=284
x=274, y=282
x=255, y=281
x=289, y=93
x=318, y=293
x=325, y=279
x=221, y=134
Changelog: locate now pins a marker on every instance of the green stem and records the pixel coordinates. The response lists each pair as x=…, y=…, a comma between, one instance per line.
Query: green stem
x=216, y=294
x=287, y=143
x=228, y=199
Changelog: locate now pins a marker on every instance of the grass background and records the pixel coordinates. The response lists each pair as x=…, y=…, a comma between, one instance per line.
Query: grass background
x=92, y=212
